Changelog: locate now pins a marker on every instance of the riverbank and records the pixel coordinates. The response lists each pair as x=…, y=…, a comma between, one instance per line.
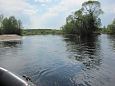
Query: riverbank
x=13, y=37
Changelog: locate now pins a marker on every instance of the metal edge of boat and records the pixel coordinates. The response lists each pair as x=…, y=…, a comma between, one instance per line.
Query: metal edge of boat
x=8, y=78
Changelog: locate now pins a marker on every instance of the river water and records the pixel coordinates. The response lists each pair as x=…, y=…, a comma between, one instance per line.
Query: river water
x=56, y=60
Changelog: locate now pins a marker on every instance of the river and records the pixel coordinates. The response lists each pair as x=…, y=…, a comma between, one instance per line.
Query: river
x=56, y=60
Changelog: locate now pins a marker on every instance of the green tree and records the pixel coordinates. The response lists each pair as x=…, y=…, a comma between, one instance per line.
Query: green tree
x=11, y=26
x=111, y=28
x=86, y=20
x=93, y=8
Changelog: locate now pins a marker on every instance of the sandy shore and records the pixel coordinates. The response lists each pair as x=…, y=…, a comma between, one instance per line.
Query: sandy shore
x=9, y=37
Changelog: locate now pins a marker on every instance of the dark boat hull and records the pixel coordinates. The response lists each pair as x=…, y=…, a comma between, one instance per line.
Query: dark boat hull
x=9, y=79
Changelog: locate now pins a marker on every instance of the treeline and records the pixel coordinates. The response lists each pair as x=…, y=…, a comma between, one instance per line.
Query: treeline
x=40, y=31
x=10, y=25
x=84, y=21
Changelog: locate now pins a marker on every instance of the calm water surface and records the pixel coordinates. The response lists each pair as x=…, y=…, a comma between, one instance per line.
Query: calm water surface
x=55, y=60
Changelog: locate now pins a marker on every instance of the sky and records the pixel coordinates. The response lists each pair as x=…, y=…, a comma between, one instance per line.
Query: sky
x=44, y=14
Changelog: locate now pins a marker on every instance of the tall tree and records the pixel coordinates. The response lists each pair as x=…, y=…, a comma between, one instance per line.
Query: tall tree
x=86, y=20
x=93, y=8
x=11, y=26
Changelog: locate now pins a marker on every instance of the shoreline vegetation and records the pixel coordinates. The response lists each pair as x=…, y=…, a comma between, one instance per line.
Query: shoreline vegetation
x=26, y=32
x=85, y=21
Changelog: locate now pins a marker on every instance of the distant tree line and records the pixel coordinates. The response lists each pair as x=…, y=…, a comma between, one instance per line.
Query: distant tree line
x=110, y=29
x=84, y=21
x=10, y=25
x=41, y=31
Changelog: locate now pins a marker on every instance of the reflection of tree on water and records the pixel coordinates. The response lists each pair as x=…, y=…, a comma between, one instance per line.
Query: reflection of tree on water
x=112, y=40
x=9, y=51
x=84, y=49
x=10, y=43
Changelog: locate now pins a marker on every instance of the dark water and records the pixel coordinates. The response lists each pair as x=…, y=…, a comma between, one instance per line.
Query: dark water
x=62, y=60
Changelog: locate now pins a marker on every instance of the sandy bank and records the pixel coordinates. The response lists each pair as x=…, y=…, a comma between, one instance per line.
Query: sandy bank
x=9, y=37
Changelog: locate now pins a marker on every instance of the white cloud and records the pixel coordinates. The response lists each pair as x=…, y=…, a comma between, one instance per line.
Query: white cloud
x=64, y=7
x=14, y=5
x=17, y=8
x=42, y=1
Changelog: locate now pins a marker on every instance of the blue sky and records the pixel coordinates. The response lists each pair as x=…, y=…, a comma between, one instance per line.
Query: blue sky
x=50, y=13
